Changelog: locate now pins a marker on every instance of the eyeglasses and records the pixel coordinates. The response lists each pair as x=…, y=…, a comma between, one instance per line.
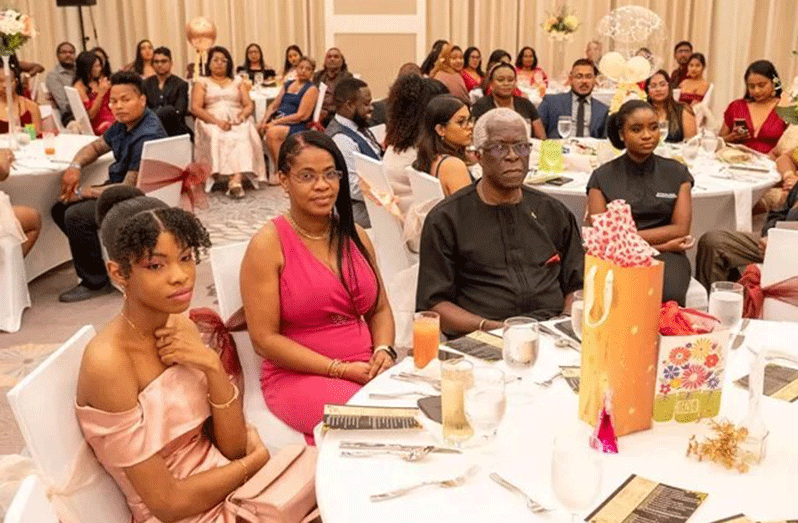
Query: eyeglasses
x=584, y=77
x=501, y=150
x=309, y=177
x=465, y=123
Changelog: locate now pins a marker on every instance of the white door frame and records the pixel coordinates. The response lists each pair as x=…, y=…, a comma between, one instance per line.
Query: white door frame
x=415, y=24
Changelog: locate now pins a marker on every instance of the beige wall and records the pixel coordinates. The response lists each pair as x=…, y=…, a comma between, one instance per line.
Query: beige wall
x=377, y=73
x=374, y=7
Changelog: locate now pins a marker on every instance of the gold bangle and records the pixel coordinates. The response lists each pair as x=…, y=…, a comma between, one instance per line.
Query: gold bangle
x=246, y=470
x=228, y=403
x=341, y=369
x=331, y=367
x=482, y=323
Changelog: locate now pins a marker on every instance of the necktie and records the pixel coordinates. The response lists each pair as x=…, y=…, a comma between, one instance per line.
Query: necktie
x=371, y=138
x=580, y=116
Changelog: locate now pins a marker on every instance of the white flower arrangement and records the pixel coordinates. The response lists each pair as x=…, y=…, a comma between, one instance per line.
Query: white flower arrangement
x=15, y=29
x=561, y=24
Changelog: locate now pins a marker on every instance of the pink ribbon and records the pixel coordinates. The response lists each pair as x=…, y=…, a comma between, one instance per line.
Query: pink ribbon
x=155, y=174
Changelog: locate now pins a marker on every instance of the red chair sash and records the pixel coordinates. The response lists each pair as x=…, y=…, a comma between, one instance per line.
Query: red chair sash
x=155, y=174
x=755, y=294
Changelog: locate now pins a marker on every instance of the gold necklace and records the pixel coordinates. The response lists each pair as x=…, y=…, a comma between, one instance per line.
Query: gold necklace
x=305, y=233
x=134, y=326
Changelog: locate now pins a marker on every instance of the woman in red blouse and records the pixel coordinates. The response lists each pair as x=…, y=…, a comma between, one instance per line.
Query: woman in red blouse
x=472, y=71
x=752, y=120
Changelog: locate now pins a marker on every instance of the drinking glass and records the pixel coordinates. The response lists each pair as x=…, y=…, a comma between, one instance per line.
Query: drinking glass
x=690, y=151
x=726, y=303
x=520, y=352
x=663, y=131
x=575, y=472
x=710, y=144
x=485, y=402
x=457, y=375
x=48, y=142
x=258, y=79
x=577, y=311
x=565, y=126
x=426, y=337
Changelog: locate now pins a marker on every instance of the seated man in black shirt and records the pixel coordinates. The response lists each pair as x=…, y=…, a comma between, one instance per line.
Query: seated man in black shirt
x=76, y=209
x=497, y=249
x=167, y=94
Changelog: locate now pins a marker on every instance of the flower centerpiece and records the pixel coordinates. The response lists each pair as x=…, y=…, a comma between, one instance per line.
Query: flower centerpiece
x=15, y=29
x=561, y=24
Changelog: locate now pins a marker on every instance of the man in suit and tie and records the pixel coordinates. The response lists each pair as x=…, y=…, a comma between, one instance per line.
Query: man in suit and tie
x=589, y=116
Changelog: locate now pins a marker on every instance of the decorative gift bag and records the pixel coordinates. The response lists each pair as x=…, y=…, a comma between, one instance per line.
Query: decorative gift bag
x=623, y=294
x=551, y=157
x=690, y=369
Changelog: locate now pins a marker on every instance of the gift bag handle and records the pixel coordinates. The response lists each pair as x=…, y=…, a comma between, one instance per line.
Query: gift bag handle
x=590, y=296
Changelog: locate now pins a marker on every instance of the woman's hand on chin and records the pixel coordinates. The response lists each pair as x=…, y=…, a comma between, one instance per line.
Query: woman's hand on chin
x=180, y=343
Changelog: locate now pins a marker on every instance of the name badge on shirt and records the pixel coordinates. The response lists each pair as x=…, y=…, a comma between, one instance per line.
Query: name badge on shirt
x=666, y=195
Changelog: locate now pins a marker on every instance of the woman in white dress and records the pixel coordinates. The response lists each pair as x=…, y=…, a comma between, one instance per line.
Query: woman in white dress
x=226, y=137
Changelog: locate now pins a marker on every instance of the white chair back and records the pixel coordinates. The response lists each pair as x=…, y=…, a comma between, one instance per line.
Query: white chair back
x=43, y=404
x=79, y=110
x=392, y=255
x=707, y=100
x=30, y=504
x=319, y=102
x=14, y=295
x=779, y=265
x=175, y=150
x=424, y=186
x=226, y=267
x=379, y=132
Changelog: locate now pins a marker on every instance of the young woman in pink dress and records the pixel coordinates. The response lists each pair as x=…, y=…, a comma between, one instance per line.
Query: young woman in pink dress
x=153, y=401
x=315, y=305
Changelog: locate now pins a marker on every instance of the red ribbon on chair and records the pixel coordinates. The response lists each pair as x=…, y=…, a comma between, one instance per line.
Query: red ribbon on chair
x=755, y=294
x=155, y=174
x=217, y=335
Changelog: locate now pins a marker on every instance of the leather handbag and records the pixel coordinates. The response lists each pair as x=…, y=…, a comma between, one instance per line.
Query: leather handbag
x=282, y=491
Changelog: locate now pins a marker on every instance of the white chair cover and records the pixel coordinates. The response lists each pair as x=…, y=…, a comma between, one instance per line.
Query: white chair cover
x=175, y=150
x=79, y=110
x=30, y=504
x=319, y=102
x=14, y=296
x=779, y=265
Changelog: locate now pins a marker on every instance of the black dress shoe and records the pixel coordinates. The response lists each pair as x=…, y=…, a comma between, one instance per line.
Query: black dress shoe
x=80, y=292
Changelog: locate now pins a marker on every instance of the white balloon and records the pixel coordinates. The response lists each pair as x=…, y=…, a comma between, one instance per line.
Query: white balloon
x=612, y=65
x=637, y=69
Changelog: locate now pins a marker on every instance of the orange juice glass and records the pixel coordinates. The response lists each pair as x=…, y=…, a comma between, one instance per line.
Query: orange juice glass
x=426, y=337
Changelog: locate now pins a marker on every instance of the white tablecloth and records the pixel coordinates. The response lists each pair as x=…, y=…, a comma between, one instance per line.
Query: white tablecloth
x=35, y=182
x=523, y=456
x=262, y=97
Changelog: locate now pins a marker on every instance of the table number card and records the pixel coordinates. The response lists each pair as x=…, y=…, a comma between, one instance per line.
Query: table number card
x=640, y=500
x=354, y=417
x=780, y=382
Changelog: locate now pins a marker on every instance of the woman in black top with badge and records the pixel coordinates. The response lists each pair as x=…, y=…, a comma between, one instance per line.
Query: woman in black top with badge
x=657, y=189
x=503, y=80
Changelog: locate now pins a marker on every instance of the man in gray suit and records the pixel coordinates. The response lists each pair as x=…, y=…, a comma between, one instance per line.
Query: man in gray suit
x=588, y=114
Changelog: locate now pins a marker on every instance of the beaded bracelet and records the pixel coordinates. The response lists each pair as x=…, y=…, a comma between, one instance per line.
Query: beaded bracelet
x=228, y=403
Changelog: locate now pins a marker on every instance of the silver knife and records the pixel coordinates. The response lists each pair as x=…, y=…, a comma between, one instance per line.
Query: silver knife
x=571, y=344
x=739, y=339
x=362, y=445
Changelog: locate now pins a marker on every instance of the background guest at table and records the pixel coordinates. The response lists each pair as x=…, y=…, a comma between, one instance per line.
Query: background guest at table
x=752, y=120
x=76, y=209
x=181, y=463
x=447, y=71
x=335, y=70
x=723, y=255
x=588, y=114
x=226, y=137
x=292, y=56
x=445, y=134
x=786, y=165
x=26, y=110
x=61, y=76
x=498, y=55
x=28, y=217
x=656, y=188
x=503, y=83
x=497, y=249
x=680, y=117
x=142, y=65
x=106, y=63
x=313, y=297
x=694, y=87
x=472, y=72
x=526, y=64
x=594, y=51
x=167, y=94
x=292, y=110
x=432, y=58
x=349, y=130
x=253, y=63
x=681, y=53
x=94, y=89
x=407, y=100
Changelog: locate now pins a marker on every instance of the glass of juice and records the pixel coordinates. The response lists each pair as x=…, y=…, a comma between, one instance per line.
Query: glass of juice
x=426, y=337
x=457, y=375
x=48, y=141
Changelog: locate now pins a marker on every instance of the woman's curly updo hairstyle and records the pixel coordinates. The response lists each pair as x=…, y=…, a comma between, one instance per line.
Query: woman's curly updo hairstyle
x=130, y=224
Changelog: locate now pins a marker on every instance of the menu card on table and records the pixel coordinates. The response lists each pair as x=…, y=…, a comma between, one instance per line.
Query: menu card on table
x=480, y=345
x=780, y=382
x=742, y=518
x=354, y=417
x=640, y=500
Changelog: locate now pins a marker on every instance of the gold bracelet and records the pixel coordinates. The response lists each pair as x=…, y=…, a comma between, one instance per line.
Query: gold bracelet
x=482, y=323
x=229, y=402
x=341, y=369
x=331, y=367
x=246, y=470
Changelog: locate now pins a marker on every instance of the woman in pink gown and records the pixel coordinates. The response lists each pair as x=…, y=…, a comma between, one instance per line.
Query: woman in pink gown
x=153, y=401
x=316, y=309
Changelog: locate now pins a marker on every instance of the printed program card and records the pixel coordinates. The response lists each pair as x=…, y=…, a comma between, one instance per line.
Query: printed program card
x=640, y=500
x=480, y=345
x=571, y=374
x=780, y=382
x=353, y=417
x=742, y=518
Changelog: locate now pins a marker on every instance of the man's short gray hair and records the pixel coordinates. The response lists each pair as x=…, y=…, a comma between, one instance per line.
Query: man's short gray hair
x=499, y=117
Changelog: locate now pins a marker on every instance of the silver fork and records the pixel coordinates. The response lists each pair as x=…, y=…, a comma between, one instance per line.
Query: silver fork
x=546, y=383
x=531, y=504
x=395, y=395
x=411, y=455
x=446, y=483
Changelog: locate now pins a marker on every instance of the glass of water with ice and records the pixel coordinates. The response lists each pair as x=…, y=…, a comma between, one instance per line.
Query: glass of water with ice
x=726, y=303
x=485, y=402
x=520, y=352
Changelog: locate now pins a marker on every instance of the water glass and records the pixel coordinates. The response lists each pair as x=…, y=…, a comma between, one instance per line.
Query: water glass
x=726, y=303
x=710, y=144
x=485, y=402
x=457, y=375
x=565, y=126
x=426, y=337
x=690, y=151
x=520, y=342
x=577, y=312
x=575, y=472
x=663, y=130
x=258, y=79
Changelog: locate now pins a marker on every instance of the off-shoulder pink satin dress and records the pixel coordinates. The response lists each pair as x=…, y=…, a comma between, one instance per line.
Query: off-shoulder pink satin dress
x=168, y=421
x=317, y=312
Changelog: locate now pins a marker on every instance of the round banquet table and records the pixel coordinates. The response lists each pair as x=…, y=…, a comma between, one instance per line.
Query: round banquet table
x=262, y=96
x=35, y=181
x=522, y=455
